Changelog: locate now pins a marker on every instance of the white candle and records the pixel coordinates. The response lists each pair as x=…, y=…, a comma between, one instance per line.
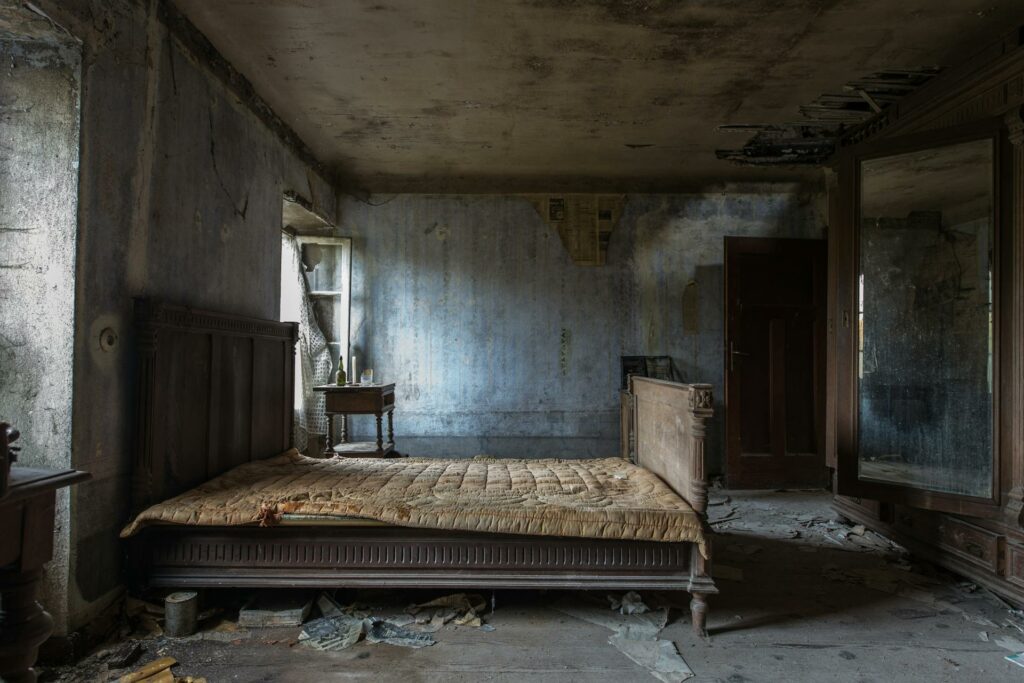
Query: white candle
x=352, y=376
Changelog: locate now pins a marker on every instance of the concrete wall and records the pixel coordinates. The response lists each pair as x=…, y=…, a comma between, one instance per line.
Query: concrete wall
x=39, y=118
x=472, y=306
x=500, y=344
x=180, y=198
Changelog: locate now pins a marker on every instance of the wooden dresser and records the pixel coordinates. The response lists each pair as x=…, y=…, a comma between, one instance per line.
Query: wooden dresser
x=926, y=396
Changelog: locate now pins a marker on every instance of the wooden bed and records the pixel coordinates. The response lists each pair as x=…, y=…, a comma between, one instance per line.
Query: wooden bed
x=217, y=391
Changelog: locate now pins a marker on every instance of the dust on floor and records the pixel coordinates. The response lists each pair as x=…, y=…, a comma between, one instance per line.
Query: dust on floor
x=804, y=597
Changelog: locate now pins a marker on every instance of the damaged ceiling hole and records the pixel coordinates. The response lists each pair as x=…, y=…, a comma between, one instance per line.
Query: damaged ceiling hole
x=812, y=141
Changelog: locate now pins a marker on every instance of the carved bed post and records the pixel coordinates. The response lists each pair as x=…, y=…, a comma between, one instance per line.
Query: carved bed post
x=701, y=583
x=701, y=408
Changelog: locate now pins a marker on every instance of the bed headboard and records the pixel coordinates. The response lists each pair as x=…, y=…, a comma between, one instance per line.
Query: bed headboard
x=669, y=428
x=215, y=390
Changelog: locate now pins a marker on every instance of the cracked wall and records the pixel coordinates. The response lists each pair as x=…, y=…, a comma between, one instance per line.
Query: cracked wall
x=39, y=119
x=499, y=344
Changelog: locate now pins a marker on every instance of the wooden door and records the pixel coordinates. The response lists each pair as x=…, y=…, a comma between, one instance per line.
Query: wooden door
x=775, y=294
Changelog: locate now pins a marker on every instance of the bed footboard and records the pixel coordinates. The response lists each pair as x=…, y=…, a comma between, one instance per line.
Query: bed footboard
x=669, y=431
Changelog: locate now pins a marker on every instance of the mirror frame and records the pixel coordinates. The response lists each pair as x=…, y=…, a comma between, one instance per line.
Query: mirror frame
x=847, y=261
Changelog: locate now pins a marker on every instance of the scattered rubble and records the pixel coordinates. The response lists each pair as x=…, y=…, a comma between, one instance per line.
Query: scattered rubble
x=635, y=633
x=332, y=633
x=381, y=631
x=342, y=627
x=275, y=608
x=635, y=623
x=124, y=655
x=1009, y=643
x=762, y=519
x=630, y=603
x=157, y=671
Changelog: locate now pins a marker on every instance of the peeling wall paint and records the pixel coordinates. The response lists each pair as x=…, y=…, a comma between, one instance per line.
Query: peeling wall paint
x=500, y=344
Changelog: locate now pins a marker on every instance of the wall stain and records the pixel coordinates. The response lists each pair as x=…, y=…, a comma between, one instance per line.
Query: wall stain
x=565, y=351
x=691, y=308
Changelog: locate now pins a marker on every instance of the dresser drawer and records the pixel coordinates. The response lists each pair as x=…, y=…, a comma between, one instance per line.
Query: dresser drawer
x=969, y=542
x=975, y=544
x=1015, y=564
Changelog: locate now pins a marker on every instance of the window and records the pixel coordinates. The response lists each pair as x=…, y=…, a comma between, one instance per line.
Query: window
x=316, y=293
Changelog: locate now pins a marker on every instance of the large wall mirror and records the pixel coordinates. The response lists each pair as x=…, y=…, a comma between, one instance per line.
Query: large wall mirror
x=924, y=321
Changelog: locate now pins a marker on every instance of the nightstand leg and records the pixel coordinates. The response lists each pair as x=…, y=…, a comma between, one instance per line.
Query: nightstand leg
x=329, y=446
x=380, y=434
x=23, y=625
x=391, y=426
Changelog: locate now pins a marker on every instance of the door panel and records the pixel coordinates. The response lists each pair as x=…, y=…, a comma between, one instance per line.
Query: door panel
x=775, y=359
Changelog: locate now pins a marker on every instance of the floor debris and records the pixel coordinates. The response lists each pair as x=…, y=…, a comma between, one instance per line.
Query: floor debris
x=872, y=599
x=461, y=609
x=145, y=618
x=336, y=632
x=327, y=606
x=275, y=608
x=341, y=627
x=720, y=515
x=635, y=634
x=156, y=671
x=630, y=603
x=979, y=620
x=386, y=632
x=1009, y=643
x=124, y=655
x=660, y=657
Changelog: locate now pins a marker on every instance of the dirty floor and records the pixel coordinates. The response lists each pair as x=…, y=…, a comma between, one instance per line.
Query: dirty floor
x=804, y=597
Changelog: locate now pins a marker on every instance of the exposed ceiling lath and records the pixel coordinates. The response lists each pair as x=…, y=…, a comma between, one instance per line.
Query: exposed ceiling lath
x=812, y=140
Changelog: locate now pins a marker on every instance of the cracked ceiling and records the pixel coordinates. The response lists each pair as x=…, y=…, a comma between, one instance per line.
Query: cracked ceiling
x=538, y=95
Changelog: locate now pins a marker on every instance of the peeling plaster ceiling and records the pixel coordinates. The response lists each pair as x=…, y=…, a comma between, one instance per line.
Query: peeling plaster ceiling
x=534, y=95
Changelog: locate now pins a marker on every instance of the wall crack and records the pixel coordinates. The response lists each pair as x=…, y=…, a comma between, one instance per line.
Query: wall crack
x=240, y=212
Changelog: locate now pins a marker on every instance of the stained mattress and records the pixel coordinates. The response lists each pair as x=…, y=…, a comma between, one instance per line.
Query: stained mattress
x=606, y=498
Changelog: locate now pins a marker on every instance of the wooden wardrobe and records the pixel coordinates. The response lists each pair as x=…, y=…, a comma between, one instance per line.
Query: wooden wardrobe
x=925, y=408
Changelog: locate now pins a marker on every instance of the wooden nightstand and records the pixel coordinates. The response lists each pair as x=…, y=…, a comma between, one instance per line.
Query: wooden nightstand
x=360, y=399
x=27, y=504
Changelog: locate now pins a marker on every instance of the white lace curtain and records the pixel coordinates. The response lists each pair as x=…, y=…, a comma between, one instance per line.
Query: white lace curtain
x=313, y=359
